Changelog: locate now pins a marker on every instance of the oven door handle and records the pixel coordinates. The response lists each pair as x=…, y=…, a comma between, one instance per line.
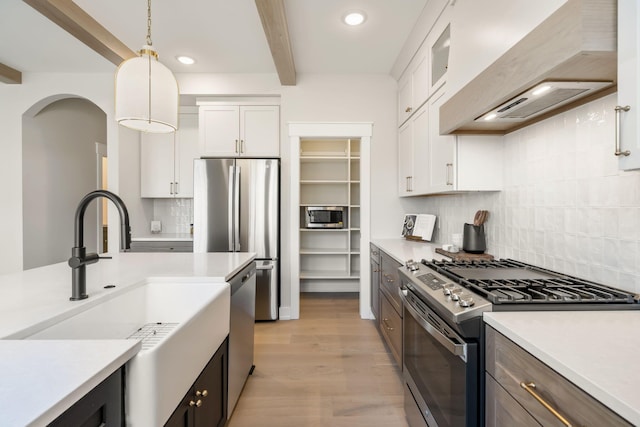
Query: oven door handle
x=454, y=348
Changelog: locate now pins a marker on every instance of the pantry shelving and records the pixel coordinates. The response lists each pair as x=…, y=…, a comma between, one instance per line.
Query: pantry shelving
x=330, y=176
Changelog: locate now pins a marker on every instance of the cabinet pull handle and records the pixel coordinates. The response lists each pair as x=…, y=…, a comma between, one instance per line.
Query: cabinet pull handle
x=171, y=188
x=409, y=183
x=242, y=146
x=408, y=110
x=449, y=168
x=619, y=110
x=197, y=403
x=203, y=393
x=176, y=188
x=237, y=151
x=529, y=387
x=386, y=325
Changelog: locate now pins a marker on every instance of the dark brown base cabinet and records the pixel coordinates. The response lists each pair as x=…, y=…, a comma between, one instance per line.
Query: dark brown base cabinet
x=101, y=407
x=390, y=321
x=205, y=404
x=509, y=368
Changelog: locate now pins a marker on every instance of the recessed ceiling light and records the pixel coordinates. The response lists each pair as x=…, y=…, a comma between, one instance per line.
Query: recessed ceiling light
x=491, y=116
x=354, y=17
x=186, y=60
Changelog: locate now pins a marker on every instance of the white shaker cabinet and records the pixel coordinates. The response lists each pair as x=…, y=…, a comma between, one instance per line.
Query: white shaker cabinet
x=413, y=154
x=430, y=163
x=240, y=130
x=418, y=81
x=413, y=87
x=166, y=160
x=441, y=150
x=405, y=159
x=438, y=44
x=462, y=162
x=628, y=108
x=404, y=98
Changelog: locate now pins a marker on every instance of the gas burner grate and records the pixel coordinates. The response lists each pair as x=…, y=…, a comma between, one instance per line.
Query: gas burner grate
x=506, y=281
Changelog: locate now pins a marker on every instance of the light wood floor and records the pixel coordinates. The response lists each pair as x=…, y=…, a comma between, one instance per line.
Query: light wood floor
x=330, y=368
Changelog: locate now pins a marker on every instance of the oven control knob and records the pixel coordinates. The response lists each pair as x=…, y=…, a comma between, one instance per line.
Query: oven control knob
x=455, y=293
x=412, y=265
x=447, y=287
x=466, y=300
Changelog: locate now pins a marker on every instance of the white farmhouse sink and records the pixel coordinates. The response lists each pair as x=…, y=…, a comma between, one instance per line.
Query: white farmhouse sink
x=181, y=325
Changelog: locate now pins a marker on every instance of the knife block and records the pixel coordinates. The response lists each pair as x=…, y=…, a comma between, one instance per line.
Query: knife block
x=473, y=240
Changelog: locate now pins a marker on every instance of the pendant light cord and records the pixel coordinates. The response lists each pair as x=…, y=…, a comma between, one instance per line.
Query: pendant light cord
x=149, y=44
x=149, y=22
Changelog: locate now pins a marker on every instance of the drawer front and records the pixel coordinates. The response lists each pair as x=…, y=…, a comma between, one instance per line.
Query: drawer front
x=510, y=365
x=391, y=328
x=503, y=410
x=390, y=281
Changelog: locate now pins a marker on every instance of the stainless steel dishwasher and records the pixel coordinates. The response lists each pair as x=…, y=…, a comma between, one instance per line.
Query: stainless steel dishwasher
x=241, y=328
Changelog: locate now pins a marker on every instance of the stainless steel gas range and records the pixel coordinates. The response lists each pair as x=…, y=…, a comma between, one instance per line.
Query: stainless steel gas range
x=443, y=334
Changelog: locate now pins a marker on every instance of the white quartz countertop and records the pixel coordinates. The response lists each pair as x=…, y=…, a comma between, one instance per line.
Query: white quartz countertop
x=35, y=299
x=42, y=379
x=402, y=250
x=596, y=350
x=162, y=237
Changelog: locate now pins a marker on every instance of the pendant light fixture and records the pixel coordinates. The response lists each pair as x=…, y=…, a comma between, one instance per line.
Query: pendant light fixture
x=146, y=91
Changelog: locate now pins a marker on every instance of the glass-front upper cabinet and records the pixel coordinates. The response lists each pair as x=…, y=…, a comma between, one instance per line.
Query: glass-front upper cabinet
x=440, y=57
x=439, y=43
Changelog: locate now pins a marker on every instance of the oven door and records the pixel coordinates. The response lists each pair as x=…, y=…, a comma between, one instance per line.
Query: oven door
x=440, y=369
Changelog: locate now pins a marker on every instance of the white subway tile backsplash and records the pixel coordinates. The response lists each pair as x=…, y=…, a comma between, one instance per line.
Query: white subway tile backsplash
x=611, y=253
x=628, y=224
x=610, y=222
x=176, y=215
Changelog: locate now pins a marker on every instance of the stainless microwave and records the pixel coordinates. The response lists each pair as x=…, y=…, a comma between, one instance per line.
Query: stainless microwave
x=325, y=217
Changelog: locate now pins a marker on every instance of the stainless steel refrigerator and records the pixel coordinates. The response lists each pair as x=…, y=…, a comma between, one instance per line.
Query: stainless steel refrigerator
x=236, y=209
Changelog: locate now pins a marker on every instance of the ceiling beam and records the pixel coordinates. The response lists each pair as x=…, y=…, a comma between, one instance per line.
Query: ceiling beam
x=9, y=75
x=82, y=26
x=274, y=23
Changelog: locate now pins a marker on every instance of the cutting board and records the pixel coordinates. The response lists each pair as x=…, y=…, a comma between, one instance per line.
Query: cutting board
x=464, y=256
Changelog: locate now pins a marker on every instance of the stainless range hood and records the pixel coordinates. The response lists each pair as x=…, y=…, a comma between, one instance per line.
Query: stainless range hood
x=574, y=52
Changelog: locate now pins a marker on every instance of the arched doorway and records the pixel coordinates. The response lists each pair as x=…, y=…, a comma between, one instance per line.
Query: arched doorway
x=59, y=166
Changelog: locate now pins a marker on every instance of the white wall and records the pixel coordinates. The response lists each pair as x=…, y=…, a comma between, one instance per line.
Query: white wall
x=59, y=168
x=14, y=101
x=140, y=210
x=565, y=205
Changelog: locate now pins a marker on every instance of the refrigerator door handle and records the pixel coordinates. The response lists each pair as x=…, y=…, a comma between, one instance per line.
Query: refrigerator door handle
x=236, y=207
x=230, y=207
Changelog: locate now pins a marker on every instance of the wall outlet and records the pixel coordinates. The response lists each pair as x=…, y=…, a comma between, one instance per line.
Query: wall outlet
x=156, y=226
